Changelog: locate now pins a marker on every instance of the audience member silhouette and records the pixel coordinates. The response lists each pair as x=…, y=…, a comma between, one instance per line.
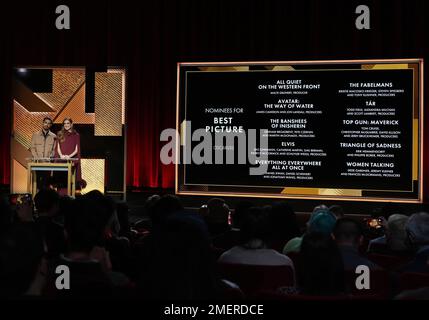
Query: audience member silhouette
x=21, y=255
x=321, y=220
x=216, y=217
x=177, y=263
x=47, y=205
x=253, y=249
x=337, y=211
x=232, y=237
x=283, y=225
x=418, y=238
x=320, y=269
x=394, y=240
x=348, y=235
x=163, y=208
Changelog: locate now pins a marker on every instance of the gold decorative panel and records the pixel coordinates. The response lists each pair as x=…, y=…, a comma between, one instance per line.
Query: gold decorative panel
x=19, y=178
x=108, y=104
x=65, y=83
x=122, y=73
x=306, y=191
x=220, y=68
x=25, y=97
x=385, y=66
x=322, y=192
x=75, y=109
x=19, y=152
x=341, y=192
x=283, y=68
x=25, y=123
x=93, y=174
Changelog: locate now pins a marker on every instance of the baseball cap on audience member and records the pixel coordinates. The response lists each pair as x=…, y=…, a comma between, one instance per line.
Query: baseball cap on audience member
x=322, y=221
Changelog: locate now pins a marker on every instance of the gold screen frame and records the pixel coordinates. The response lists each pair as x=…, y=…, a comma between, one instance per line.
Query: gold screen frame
x=312, y=193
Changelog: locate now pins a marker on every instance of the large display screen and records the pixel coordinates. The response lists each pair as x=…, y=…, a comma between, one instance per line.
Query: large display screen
x=325, y=129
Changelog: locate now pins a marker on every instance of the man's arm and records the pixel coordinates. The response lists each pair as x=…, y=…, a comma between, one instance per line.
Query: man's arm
x=52, y=153
x=33, y=146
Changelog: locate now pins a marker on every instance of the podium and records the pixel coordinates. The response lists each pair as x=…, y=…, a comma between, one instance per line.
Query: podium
x=47, y=164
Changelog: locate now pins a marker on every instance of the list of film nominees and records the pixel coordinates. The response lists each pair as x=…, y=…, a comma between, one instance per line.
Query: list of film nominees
x=370, y=129
x=333, y=129
x=290, y=112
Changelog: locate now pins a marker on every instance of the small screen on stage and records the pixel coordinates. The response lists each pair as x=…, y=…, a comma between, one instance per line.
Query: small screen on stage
x=70, y=115
x=343, y=130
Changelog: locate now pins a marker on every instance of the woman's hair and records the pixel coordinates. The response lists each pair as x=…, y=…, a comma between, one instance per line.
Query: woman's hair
x=61, y=134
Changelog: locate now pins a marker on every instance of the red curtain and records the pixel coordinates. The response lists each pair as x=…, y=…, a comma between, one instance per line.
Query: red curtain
x=5, y=111
x=110, y=35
